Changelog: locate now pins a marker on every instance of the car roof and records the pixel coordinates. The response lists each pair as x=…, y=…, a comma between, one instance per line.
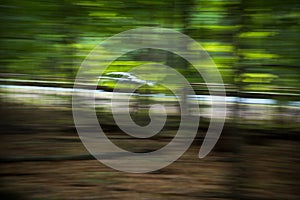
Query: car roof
x=121, y=73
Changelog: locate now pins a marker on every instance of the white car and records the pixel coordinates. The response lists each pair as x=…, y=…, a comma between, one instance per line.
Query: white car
x=122, y=77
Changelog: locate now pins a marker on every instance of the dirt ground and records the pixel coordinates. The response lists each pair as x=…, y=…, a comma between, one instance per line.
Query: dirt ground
x=34, y=142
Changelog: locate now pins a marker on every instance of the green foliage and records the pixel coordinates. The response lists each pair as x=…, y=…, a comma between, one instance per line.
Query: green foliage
x=49, y=39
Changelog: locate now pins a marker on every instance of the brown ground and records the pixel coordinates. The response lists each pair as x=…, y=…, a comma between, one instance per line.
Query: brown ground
x=266, y=170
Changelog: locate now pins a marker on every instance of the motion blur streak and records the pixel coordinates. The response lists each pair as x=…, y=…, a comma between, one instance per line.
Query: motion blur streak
x=255, y=45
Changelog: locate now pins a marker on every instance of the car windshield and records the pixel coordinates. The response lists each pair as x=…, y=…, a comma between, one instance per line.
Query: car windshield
x=121, y=75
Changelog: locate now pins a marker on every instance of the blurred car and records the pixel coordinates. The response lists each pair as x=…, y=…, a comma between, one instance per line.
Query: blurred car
x=125, y=79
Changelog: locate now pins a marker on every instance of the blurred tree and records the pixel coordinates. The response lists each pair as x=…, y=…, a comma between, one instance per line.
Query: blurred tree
x=51, y=38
